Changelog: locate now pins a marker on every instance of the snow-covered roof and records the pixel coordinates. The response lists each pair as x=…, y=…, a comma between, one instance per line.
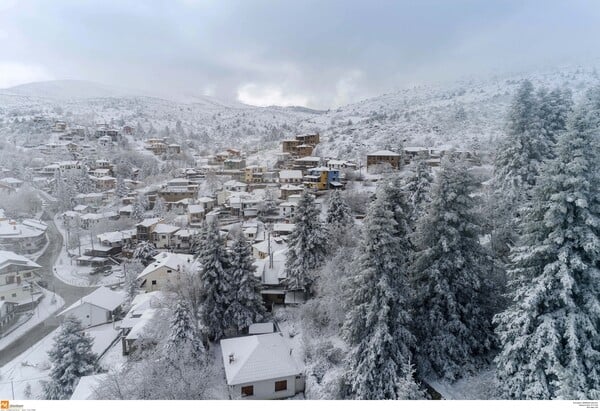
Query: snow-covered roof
x=165, y=228
x=8, y=258
x=288, y=174
x=234, y=183
x=385, y=153
x=86, y=387
x=206, y=200
x=12, y=229
x=257, y=358
x=415, y=149
x=11, y=181
x=309, y=159
x=169, y=260
x=138, y=328
x=291, y=187
x=195, y=208
x=271, y=275
x=149, y=222
x=101, y=297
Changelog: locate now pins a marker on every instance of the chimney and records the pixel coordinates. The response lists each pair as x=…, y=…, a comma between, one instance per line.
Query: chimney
x=231, y=358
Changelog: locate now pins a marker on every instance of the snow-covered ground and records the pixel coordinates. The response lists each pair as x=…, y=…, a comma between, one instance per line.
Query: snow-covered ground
x=45, y=309
x=481, y=386
x=67, y=270
x=32, y=367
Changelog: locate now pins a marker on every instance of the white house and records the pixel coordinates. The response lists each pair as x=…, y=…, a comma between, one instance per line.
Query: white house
x=98, y=307
x=164, y=269
x=290, y=176
x=261, y=367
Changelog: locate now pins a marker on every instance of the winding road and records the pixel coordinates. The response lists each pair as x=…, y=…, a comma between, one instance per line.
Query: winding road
x=69, y=294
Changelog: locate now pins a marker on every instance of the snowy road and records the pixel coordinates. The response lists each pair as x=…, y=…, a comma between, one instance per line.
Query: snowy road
x=69, y=294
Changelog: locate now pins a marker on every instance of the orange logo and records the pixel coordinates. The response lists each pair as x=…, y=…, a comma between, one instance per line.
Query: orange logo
x=4, y=405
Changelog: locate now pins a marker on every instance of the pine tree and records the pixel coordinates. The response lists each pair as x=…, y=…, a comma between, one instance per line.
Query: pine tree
x=453, y=297
x=307, y=245
x=215, y=264
x=377, y=324
x=554, y=108
x=71, y=358
x=144, y=251
x=185, y=336
x=83, y=182
x=338, y=211
x=140, y=205
x=418, y=187
x=121, y=189
x=246, y=306
x=550, y=336
x=160, y=207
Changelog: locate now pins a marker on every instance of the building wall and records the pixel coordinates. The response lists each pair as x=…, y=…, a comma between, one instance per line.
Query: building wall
x=265, y=390
x=161, y=275
x=90, y=315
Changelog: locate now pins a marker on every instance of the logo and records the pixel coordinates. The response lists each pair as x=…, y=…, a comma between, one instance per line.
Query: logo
x=4, y=405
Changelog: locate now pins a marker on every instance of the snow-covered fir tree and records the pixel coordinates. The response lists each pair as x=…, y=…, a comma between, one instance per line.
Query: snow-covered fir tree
x=121, y=189
x=71, y=358
x=453, y=296
x=377, y=326
x=83, y=181
x=144, y=251
x=550, y=336
x=214, y=272
x=307, y=245
x=554, y=109
x=246, y=306
x=140, y=205
x=418, y=187
x=338, y=211
x=184, y=336
x=160, y=208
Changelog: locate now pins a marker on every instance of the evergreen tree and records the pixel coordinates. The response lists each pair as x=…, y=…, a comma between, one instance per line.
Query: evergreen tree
x=140, y=206
x=215, y=266
x=550, y=336
x=160, y=207
x=338, y=211
x=71, y=357
x=418, y=187
x=377, y=324
x=185, y=336
x=246, y=306
x=453, y=297
x=554, y=108
x=307, y=245
x=83, y=182
x=144, y=251
x=121, y=189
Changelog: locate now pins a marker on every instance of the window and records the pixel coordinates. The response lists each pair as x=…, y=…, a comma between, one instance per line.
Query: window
x=14, y=295
x=280, y=385
x=248, y=391
x=153, y=282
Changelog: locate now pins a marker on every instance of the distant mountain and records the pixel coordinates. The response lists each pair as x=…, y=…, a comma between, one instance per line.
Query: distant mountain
x=69, y=90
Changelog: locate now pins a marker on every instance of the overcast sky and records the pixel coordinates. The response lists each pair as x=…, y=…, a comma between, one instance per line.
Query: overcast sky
x=316, y=53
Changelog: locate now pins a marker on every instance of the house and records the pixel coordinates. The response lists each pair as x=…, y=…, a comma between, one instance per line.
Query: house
x=162, y=235
x=287, y=190
x=254, y=174
x=321, y=178
x=234, y=164
x=412, y=153
x=26, y=237
x=290, y=176
x=305, y=163
x=312, y=139
x=287, y=209
x=341, y=165
x=262, y=249
x=282, y=229
x=174, y=149
x=143, y=309
x=271, y=272
x=236, y=186
x=383, y=157
x=207, y=202
x=178, y=189
x=17, y=275
x=261, y=367
x=11, y=182
x=166, y=266
x=145, y=228
x=99, y=307
x=196, y=213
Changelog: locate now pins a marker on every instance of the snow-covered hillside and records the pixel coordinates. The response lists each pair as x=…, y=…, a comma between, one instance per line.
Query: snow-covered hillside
x=466, y=114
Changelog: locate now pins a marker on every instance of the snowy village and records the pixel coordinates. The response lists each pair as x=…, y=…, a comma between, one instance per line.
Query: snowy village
x=436, y=242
